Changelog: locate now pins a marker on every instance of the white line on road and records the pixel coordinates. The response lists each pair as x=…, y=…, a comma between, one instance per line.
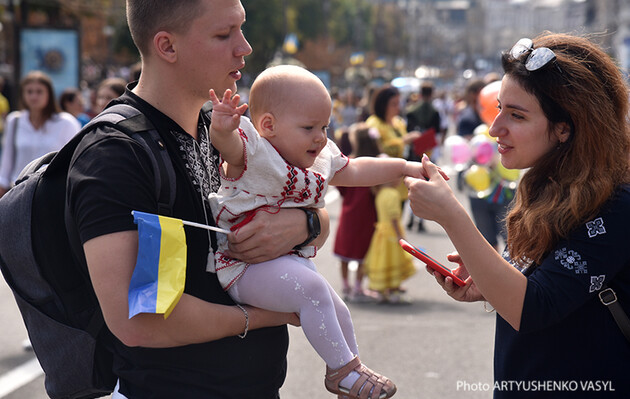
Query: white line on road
x=19, y=377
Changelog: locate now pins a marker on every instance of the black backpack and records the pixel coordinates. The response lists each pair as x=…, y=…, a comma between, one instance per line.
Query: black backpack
x=52, y=290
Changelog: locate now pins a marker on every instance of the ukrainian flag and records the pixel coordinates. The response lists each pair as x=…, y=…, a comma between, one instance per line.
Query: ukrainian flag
x=159, y=277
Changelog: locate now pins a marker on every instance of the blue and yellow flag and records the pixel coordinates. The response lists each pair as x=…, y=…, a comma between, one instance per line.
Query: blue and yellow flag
x=159, y=277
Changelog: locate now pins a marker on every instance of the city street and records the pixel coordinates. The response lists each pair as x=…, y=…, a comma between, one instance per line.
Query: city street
x=432, y=348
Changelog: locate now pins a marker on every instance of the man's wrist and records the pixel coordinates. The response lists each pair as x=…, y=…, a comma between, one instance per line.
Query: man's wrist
x=313, y=226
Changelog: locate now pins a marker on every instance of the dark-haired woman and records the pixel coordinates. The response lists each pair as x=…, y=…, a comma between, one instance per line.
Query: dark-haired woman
x=563, y=116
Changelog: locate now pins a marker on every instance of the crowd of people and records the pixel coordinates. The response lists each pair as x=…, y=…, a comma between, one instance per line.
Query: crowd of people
x=562, y=103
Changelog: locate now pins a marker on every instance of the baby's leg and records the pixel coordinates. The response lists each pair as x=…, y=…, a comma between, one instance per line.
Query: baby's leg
x=287, y=285
x=345, y=320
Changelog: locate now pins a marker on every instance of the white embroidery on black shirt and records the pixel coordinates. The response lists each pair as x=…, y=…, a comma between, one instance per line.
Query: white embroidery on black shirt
x=571, y=260
x=595, y=227
x=200, y=162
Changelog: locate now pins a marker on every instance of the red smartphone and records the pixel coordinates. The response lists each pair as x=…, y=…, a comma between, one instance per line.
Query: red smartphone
x=432, y=263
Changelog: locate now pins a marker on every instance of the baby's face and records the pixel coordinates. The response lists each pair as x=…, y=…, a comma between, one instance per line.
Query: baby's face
x=301, y=127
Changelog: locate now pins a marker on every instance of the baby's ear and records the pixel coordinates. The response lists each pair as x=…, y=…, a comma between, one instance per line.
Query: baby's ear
x=266, y=124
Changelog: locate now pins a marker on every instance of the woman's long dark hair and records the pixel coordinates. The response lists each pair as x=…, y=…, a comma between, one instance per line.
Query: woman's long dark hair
x=585, y=89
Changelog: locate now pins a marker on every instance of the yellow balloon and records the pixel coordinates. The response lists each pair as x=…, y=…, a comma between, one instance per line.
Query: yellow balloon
x=508, y=174
x=478, y=178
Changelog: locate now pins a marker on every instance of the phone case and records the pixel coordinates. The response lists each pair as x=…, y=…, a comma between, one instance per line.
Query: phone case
x=432, y=263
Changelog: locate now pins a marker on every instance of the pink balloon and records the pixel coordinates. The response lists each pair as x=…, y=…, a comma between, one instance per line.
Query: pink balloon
x=460, y=153
x=484, y=153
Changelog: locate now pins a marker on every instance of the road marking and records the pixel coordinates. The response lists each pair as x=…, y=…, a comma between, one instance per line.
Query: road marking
x=19, y=377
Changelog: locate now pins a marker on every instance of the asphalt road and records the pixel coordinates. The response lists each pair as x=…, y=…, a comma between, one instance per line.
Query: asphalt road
x=431, y=348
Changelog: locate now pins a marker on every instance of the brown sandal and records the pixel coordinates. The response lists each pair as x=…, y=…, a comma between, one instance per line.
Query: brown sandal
x=370, y=385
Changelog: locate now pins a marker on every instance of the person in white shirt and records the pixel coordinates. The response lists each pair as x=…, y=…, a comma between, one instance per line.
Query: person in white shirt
x=37, y=129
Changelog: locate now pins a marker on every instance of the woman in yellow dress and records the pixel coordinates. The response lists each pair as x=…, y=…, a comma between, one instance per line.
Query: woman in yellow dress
x=387, y=264
x=391, y=126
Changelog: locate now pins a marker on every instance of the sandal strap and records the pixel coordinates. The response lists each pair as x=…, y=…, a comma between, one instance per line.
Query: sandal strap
x=369, y=385
x=335, y=376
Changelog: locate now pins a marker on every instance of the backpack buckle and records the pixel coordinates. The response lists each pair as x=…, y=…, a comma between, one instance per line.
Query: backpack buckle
x=607, y=296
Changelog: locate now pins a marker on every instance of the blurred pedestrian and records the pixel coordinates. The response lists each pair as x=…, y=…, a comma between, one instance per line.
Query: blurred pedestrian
x=468, y=118
x=391, y=127
x=38, y=128
x=71, y=101
x=563, y=117
x=4, y=110
x=387, y=264
x=357, y=216
x=424, y=118
x=108, y=90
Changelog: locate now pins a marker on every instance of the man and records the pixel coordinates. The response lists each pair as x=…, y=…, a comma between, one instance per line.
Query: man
x=187, y=47
x=469, y=117
x=422, y=117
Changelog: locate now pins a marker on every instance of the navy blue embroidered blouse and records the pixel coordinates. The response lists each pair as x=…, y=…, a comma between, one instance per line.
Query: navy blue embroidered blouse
x=569, y=344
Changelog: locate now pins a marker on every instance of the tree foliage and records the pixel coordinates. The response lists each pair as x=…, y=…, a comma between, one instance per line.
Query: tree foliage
x=359, y=24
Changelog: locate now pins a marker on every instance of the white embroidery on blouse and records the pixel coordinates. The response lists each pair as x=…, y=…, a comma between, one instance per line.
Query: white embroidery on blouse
x=595, y=227
x=597, y=282
x=571, y=260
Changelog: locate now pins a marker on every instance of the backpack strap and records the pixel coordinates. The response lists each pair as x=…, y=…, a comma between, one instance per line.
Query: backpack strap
x=132, y=122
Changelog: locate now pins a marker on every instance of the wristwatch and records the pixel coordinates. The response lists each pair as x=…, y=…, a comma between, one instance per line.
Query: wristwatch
x=314, y=228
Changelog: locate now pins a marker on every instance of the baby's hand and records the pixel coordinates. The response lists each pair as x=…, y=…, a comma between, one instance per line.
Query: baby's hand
x=226, y=113
x=416, y=170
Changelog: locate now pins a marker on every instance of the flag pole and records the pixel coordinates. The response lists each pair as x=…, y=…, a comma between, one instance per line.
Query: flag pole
x=202, y=226
x=205, y=226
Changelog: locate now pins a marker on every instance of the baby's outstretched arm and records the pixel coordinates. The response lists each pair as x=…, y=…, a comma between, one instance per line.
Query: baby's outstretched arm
x=224, y=136
x=370, y=171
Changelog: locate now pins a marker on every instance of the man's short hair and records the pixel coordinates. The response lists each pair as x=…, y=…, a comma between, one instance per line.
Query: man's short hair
x=147, y=17
x=426, y=89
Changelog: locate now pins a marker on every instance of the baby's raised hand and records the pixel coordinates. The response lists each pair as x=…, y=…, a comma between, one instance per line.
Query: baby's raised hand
x=226, y=113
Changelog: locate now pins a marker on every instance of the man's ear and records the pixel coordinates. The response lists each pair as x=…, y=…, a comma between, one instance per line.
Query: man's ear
x=267, y=124
x=563, y=132
x=164, y=46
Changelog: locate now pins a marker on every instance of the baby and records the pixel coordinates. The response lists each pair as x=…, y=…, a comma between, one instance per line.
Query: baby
x=283, y=158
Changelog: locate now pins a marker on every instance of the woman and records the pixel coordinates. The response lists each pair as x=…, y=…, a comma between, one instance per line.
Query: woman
x=563, y=107
x=108, y=90
x=36, y=130
x=391, y=126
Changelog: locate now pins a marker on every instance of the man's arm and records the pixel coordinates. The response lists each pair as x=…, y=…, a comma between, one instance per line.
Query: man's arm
x=111, y=259
x=270, y=235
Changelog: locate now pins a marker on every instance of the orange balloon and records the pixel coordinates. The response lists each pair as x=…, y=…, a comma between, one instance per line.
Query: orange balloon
x=488, y=102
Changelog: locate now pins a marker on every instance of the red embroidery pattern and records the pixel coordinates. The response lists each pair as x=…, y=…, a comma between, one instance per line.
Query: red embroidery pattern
x=319, y=186
x=289, y=186
x=224, y=262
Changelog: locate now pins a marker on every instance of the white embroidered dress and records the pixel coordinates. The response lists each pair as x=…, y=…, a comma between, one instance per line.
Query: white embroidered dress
x=267, y=183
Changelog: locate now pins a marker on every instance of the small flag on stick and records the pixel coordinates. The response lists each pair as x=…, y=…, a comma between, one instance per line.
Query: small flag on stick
x=159, y=277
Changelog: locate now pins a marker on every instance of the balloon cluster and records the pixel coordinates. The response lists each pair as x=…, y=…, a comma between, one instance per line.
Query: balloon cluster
x=478, y=159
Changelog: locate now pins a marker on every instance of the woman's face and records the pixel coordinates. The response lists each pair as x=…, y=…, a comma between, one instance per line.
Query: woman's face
x=35, y=95
x=104, y=96
x=393, y=108
x=521, y=127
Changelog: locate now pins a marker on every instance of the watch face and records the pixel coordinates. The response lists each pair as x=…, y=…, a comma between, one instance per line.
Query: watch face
x=313, y=225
